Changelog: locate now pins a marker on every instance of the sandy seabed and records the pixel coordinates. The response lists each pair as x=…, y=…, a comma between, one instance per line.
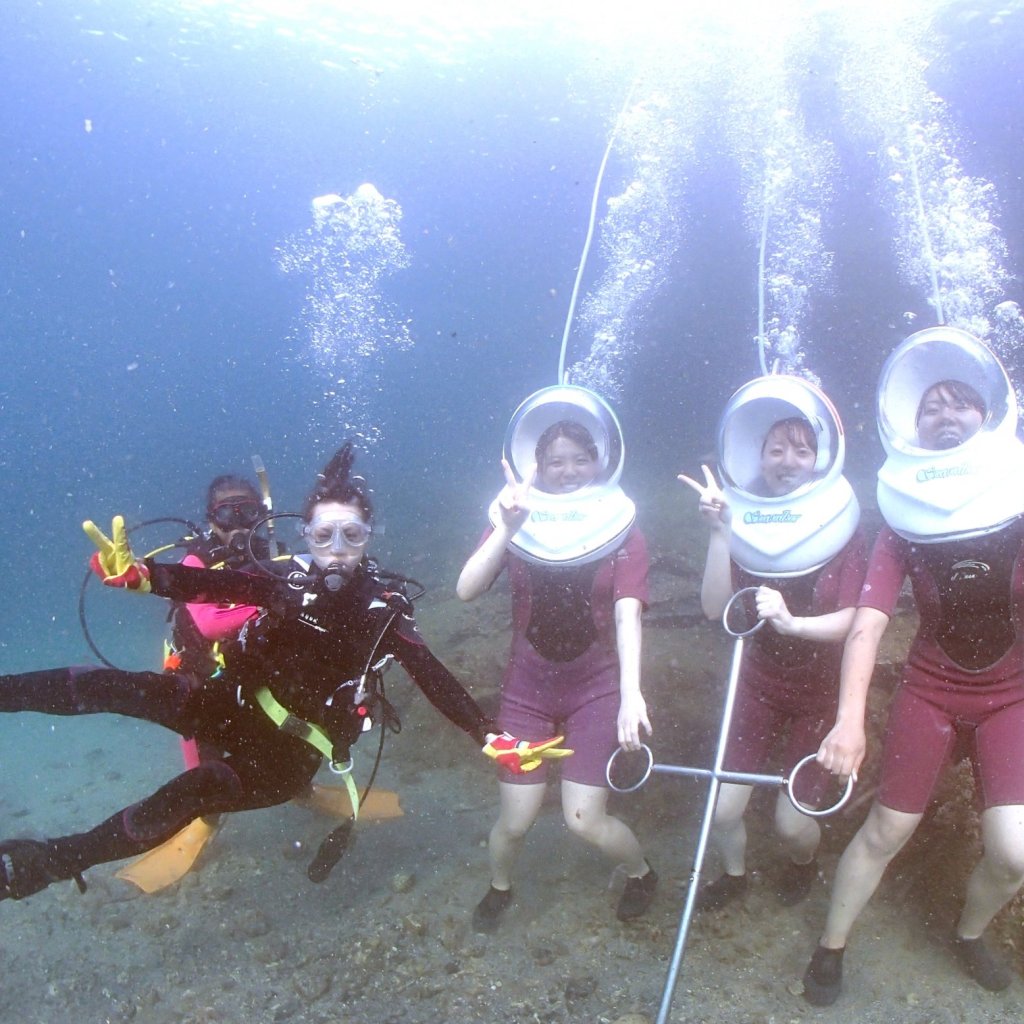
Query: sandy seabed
x=247, y=938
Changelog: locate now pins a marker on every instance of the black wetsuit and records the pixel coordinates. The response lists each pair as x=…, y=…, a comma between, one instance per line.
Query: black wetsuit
x=308, y=646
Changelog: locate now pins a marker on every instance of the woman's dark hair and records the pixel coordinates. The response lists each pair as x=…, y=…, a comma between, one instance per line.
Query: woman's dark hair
x=959, y=391
x=575, y=432
x=336, y=483
x=229, y=483
x=797, y=431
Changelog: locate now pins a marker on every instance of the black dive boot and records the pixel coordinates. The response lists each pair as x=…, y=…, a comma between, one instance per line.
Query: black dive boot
x=26, y=867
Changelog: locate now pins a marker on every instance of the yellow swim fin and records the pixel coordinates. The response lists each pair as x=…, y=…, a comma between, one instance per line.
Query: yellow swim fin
x=334, y=802
x=167, y=863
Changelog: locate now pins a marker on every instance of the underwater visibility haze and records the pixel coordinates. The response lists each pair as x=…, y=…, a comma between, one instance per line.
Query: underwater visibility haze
x=174, y=298
x=252, y=227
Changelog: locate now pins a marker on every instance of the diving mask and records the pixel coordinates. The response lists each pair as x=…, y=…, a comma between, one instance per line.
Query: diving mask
x=324, y=534
x=236, y=514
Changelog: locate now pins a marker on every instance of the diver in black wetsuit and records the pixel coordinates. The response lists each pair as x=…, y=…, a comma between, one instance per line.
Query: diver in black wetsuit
x=300, y=685
x=233, y=507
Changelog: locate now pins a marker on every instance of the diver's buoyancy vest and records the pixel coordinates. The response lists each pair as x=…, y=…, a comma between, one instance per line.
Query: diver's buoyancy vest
x=295, y=650
x=193, y=652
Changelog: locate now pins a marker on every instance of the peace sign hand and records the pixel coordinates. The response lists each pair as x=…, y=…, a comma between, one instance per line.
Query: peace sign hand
x=513, y=502
x=713, y=506
x=113, y=560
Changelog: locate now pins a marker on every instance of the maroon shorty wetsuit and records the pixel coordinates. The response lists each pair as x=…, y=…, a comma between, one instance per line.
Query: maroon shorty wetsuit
x=563, y=671
x=788, y=683
x=963, y=684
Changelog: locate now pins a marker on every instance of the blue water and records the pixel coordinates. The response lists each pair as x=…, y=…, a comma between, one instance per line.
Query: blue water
x=156, y=156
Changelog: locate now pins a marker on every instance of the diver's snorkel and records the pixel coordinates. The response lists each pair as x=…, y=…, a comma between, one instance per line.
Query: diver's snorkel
x=268, y=502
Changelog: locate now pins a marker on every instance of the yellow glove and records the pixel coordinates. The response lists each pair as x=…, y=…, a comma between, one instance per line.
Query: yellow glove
x=114, y=561
x=520, y=756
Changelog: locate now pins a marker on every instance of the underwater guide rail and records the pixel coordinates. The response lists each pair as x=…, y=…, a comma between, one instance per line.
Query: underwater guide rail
x=717, y=775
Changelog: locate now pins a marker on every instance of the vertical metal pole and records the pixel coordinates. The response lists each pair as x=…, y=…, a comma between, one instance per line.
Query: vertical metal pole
x=702, y=842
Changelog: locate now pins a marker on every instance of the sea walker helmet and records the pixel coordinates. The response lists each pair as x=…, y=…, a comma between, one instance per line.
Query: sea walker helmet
x=584, y=525
x=975, y=488
x=795, y=533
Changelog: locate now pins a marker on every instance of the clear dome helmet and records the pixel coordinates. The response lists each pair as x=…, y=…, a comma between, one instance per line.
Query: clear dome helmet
x=977, y=487
x=798, y=532
x=583, y=525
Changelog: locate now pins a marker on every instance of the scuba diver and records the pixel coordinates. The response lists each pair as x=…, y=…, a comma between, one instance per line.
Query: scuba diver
x=951, y=492
x=302, y=684
x=577, y=567
x=233, y=508
x=786, y=524
x=201, y=635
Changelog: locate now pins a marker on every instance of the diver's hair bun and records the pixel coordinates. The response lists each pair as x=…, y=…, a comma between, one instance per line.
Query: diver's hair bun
x=335, y=482
x=336, y=471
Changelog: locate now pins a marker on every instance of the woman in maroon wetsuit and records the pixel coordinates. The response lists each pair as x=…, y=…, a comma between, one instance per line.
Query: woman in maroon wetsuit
x=574, y=668
x=963, y=682
x=788, y=684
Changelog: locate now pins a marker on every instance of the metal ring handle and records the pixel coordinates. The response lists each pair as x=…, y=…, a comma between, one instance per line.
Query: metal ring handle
x=646, y=775
x=728, y=607
x=819, y=812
